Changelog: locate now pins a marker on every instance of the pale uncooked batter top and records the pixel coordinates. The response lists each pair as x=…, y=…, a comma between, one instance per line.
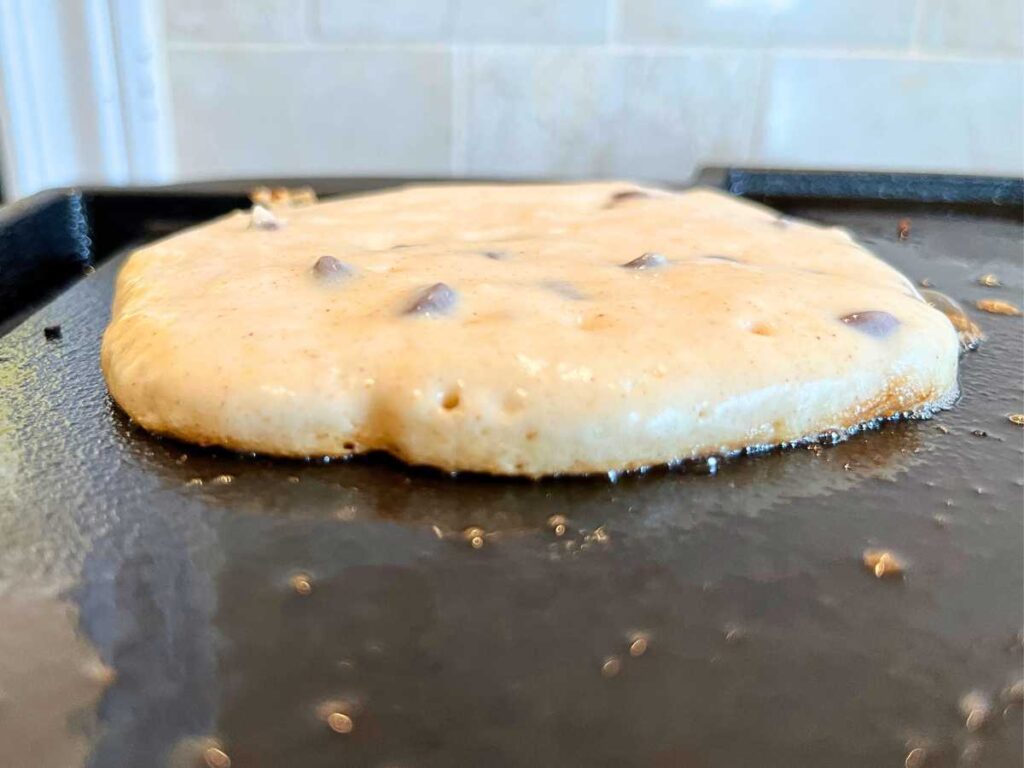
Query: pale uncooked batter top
x=519, y=329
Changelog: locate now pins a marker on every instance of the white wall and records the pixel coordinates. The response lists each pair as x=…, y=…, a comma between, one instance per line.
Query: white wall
x=648, y=88
x=577, y=88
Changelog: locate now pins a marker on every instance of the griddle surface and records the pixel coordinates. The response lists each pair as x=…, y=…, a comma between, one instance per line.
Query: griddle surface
x=769, y=645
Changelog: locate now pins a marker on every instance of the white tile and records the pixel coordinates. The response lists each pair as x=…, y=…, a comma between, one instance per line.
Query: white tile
x=235, y=21
x=540, y=112
x=562, y=22
x=318, y=113
x=384, y=21
x=981, y=26
x=765, y=23
x=589, y=113
x=682, y=112
x=894, y=114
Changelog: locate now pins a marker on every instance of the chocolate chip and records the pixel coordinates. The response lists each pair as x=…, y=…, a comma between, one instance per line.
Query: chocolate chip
x=873, y=322
x=329, y=268
x=565, y=289
x=438, y=299
x=627, y=195
x=52, y=332
x=496, y=255
x=647, y=261
x=263, y=218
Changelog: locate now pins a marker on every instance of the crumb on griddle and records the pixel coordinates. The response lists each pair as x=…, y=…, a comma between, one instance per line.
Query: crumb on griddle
x=997, y=307
x=302, y=583
x=52, y=332
x=989, y=281
x=903, y=229
x=883, y=563
x=611, y=666
x=215, y=757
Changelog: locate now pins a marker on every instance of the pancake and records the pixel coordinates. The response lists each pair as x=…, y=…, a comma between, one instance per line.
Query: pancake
x=519, y=330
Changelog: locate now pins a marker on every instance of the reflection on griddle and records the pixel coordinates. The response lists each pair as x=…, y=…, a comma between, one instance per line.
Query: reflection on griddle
x=378, y=488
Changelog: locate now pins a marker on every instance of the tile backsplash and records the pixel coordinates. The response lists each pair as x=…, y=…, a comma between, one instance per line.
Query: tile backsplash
x=649, y=89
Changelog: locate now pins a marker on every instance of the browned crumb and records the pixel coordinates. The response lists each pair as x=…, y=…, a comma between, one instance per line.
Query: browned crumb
x=1017, y=418
x=989, y=281
x=215, y=757
x=558, y=524
x=293, y=198
x=302, y=583
x=339, y=722
x=903, y=229
x=997, y=307
x=915, y=758
x=611, y=666
x=976, y=708
x=475, y=536
x=883, y=564
x=637, y=644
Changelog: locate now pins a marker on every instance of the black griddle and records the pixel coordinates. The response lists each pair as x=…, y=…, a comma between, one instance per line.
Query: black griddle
x=769, y=644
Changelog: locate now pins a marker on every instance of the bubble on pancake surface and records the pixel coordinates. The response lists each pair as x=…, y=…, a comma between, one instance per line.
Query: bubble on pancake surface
x=565, y=289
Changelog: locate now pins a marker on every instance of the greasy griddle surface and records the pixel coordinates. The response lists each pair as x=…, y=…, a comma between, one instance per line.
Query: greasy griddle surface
x=769, y=643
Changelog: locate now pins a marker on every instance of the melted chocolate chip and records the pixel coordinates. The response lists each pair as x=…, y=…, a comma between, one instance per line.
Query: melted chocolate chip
x=329, y=268
x=648, y=261
x=873, y=322
x=565, y=289
x=438, y=299
x=626, y=196
x=52, y=332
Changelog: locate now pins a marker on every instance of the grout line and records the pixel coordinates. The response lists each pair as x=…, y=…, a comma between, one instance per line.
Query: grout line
x=611, y=21
x=611, y=50
x=762, y=103
x=309, y=21
x=456, y=156
x=917, y=27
